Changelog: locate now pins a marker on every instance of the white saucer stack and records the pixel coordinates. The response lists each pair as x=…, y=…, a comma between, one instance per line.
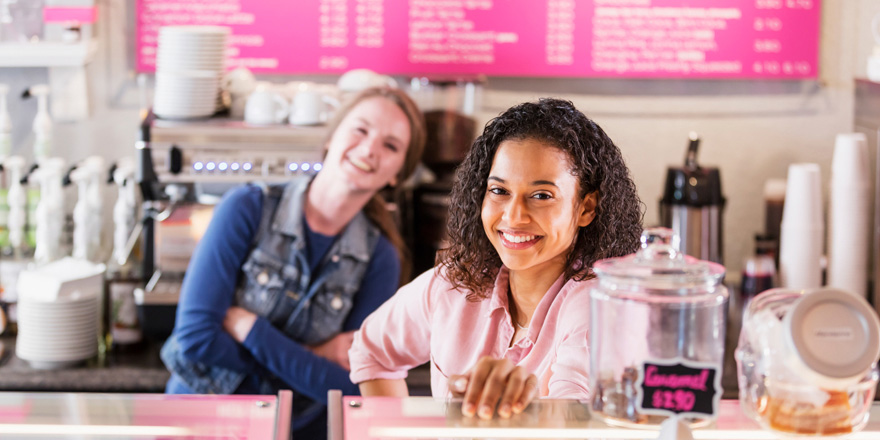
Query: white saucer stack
x=190, y=61
x=59, y=313
x=57, y=334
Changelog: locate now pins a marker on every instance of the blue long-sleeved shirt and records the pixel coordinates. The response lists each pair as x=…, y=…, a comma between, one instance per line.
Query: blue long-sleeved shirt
x=209, y=288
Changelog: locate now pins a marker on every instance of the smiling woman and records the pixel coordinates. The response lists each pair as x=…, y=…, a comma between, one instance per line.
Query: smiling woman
x=284, y=274
x=504, y=317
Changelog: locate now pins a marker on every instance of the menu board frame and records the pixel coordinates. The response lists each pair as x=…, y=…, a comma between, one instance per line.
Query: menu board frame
x=630, y=39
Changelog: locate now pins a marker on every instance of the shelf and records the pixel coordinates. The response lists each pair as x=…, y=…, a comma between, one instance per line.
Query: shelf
x=227, y=134
x=45, y=54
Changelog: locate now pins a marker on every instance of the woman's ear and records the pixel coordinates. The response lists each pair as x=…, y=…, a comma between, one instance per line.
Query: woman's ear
x=393, y=181
x=588, y=209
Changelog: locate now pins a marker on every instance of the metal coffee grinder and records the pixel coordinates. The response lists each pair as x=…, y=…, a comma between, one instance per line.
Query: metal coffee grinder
x=693, y=206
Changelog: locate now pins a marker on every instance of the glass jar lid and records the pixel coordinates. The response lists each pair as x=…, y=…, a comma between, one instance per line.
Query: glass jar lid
x=659, y=267
x=834, y=333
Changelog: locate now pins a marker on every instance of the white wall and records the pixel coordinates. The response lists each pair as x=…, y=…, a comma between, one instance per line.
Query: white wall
x=752, y=130
x=865, y=39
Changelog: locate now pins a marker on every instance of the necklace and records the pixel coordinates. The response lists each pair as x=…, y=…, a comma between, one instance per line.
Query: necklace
x=510, y=300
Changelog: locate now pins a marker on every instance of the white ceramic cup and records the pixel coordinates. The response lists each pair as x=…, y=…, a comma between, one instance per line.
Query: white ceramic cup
x=239, y=81
x=290, y=89
x=311, y=107
x=265, y=107
x=356, y=80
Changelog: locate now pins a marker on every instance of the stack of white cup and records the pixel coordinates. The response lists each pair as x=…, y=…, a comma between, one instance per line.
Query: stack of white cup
x=189, y=64
x=849, y=215
x=802, y=230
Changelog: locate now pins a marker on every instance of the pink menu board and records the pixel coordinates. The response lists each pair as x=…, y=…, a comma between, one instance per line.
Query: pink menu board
x=550, y=38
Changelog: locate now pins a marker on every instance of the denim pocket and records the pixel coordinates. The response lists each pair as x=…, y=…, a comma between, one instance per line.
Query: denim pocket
x=263, y=283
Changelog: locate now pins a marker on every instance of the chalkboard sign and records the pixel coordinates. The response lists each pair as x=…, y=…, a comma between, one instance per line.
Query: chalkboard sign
x=776, y=39
x=679, y=387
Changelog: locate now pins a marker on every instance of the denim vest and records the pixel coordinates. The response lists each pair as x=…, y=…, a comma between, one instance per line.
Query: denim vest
x=276, y=283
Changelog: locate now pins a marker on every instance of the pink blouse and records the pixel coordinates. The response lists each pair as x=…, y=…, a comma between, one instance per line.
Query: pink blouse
x=428, y=320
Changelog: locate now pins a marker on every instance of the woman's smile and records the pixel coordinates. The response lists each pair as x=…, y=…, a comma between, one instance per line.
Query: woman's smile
x=360, y=164
x=518, y=241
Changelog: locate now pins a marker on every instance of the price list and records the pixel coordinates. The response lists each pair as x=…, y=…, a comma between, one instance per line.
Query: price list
x=563, y=38
x=370, y=24
x=334, y=23
x=560, y=32
x=445, y=32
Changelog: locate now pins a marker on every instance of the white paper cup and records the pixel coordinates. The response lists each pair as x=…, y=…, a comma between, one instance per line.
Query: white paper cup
x=849, y=215
x=800, y=249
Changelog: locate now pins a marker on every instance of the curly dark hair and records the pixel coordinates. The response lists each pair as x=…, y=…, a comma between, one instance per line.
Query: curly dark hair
x=472, y=262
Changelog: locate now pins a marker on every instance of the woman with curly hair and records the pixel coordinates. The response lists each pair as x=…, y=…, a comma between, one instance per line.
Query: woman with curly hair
x=503, y=318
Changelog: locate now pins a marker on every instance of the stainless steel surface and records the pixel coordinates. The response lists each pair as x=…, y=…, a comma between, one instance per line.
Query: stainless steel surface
x=699, y=228
x=233, y=134
x=282, y=414
x=185, y=166
x=867, y=120
x=335, y=428
x=272, y=153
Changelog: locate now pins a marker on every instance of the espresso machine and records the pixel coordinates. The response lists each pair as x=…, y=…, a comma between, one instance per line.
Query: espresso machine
x=693, y=206
x=183, y=169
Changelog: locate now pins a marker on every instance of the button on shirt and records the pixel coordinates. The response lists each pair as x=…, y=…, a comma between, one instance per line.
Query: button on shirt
x=428, y=320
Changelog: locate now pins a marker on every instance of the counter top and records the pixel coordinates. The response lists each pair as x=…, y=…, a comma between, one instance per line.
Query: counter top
x=132, y=371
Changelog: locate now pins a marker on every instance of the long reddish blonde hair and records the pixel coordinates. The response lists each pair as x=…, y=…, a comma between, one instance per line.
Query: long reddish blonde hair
x=375, y=209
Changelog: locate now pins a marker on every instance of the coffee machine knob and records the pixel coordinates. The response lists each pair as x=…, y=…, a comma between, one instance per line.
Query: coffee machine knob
x=175, y=160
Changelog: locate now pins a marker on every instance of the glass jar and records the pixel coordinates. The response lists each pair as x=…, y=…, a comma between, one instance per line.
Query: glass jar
x=657, y=325
x=806, y=361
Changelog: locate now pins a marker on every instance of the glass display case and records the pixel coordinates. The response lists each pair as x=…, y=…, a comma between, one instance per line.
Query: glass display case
x=425, y=418
x=144, y=416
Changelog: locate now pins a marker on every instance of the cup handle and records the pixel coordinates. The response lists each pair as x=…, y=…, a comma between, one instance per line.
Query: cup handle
x=281, y=105
x=331, y=101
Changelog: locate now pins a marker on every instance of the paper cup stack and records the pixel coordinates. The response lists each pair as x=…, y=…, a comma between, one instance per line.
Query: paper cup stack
x=189, y=64
x=803, y=227
x=849, y=235
x=59, y=313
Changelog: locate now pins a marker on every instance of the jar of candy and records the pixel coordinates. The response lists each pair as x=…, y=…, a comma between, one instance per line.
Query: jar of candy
x=657, y=325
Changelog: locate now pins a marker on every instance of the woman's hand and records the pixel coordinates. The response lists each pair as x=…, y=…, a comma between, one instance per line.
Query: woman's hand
x=238, y=323
x=494, y=382
x=336, y=349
